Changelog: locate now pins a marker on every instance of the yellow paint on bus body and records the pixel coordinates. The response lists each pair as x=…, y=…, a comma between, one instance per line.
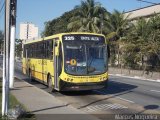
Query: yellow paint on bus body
x=42, y=67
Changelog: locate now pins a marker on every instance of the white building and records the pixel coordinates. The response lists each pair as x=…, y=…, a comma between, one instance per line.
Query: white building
x=28, y=31
x=144, y=12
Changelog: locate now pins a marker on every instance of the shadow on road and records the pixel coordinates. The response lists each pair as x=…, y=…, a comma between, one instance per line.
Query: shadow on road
x=151, y=107
x=50, y=108
x=113, y=88
x=117, y=87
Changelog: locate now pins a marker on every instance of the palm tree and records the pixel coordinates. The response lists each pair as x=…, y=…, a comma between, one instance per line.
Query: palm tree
x=154, y=38
x=116, y=25
x=1, y=37
x=88, y=18
x=142, y=41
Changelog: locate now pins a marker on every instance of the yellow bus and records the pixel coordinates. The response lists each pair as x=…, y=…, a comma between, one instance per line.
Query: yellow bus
x=67, y=61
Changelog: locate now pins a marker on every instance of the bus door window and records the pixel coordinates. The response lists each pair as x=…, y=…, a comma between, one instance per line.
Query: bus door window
x=60, y=59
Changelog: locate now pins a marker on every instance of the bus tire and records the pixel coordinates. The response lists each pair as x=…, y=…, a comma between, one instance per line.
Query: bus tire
x=30, y=76
x=49, y=83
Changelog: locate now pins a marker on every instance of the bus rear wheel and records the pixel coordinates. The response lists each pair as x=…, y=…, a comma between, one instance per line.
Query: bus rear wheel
x=30, y=76
x=49, y=83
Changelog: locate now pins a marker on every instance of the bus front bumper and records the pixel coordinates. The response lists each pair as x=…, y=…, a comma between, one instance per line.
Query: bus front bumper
x=67, y=86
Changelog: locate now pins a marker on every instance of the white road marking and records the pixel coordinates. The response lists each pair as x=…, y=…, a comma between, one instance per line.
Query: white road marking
x=120, y=106
x=103, y=93
x=125, y=100
x=103, y=107
x=155, y=91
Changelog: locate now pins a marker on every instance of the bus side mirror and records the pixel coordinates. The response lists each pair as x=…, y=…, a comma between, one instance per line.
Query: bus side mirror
x=56, y=49
x=55, y=44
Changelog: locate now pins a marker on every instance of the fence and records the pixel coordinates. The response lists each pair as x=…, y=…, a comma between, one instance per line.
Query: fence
x=148, y=72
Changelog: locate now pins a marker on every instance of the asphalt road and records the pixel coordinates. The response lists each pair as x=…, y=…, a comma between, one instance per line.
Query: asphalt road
x=145, y=93
x=123, y=95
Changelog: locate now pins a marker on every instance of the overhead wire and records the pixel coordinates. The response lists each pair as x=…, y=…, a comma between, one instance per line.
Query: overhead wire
x=149, y=2
x=2, y=9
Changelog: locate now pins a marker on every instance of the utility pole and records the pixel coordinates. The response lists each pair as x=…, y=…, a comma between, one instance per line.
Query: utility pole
x=12, y=52
x=7, y=56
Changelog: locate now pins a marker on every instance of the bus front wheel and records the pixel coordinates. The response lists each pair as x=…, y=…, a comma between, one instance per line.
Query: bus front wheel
x=49, y=82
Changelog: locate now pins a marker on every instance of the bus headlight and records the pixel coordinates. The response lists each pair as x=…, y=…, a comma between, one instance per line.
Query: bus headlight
x=68, y=79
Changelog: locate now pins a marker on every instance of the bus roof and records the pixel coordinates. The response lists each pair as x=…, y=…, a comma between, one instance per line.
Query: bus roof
x=57, y=35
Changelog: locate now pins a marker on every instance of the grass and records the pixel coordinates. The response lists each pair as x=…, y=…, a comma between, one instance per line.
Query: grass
x=14, y=102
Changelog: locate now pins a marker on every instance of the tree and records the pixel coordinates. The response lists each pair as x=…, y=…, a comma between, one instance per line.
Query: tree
x=89, y=17
x=18, y=47
x=135, y=46
x=1, y=37
x=155, y=35
x=143, y=42
x=58, y=25
x=116, y=25
x=1, y=40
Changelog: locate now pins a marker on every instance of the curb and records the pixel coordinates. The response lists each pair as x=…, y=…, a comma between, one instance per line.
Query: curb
x=135, y=77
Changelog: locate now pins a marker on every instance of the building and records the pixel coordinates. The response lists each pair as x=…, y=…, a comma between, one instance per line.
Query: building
x=28, y=31
x=144, y=12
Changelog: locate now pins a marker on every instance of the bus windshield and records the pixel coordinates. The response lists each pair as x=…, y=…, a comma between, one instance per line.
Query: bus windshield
x=85, y=57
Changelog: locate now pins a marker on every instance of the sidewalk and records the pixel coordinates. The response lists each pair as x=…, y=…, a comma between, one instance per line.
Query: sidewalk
x=44, y=105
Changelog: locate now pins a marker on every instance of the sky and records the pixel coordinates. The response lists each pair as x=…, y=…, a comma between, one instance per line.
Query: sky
x=40, y=11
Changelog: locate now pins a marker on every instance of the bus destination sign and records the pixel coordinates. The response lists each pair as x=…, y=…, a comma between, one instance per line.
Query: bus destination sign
x=83, y=37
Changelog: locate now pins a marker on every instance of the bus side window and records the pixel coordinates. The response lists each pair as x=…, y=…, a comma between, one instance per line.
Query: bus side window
x=27, y=51
x=35, y=50
x=32, y=50
x=38, y=50
x=47, y=49
x=108, y=49
x=50, y=49
x=41, y=49
x=44, y=49
x=24, y=51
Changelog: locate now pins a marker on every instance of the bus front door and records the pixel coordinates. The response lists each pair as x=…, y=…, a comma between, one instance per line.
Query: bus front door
x=57, y=63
